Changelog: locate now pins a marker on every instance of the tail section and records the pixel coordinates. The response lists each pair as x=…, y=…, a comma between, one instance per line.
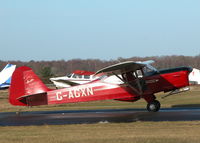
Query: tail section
x=26, y=88
x=5, y=75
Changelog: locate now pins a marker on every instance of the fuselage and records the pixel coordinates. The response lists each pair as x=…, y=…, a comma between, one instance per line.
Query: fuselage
x=164, y=80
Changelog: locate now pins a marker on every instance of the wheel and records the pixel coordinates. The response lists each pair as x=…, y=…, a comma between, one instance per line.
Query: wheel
x=153, y=106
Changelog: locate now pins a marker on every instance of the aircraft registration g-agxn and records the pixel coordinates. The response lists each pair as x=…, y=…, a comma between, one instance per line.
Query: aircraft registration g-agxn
x=126, y=81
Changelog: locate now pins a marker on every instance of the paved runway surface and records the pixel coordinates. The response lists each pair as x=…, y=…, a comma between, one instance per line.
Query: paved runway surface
x=96, y=116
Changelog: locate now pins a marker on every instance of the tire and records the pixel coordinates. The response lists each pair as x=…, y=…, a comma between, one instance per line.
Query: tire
x=153, y=106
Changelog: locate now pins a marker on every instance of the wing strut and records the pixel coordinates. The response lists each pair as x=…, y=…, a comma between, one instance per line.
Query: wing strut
x=176, y=91
x=131, y=86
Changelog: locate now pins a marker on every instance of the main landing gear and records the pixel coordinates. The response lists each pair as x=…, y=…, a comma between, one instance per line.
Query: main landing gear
x=153, y=106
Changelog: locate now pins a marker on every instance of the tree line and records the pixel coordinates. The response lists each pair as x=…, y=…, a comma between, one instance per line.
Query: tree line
x=46, y=69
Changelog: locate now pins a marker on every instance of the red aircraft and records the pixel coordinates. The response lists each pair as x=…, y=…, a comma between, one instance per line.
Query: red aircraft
x=126, y=81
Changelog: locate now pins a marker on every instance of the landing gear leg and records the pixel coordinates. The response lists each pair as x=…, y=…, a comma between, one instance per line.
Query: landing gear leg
x=153, y=106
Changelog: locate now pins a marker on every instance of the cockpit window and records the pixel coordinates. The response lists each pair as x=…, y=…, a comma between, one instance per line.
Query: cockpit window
x=139, y=73
x=69, y=75
x=149, y=71
x=129, y=76
x=75, y=76
x=86, y=77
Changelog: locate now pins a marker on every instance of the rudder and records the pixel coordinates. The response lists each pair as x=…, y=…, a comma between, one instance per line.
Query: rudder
x=25, y=83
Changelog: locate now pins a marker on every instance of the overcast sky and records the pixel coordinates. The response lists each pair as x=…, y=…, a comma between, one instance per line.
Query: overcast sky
x=103, y=29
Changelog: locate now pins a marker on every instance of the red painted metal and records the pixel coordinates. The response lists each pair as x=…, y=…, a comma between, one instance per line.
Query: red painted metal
x=167, y=82
x=81, y=72
x=89, y=92
x=25, y=82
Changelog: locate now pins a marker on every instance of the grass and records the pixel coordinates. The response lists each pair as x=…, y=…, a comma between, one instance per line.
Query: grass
x=135, y=132
x=146, y=132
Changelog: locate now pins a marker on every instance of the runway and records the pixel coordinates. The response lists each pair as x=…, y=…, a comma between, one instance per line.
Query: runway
x=96, y=116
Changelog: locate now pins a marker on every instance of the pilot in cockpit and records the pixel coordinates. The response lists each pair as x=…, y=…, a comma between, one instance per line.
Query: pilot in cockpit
x=129, y=76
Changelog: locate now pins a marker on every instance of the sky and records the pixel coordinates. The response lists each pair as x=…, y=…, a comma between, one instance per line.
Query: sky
x=98, y=29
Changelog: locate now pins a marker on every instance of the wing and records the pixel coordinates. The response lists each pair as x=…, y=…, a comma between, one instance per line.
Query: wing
x=121, y=67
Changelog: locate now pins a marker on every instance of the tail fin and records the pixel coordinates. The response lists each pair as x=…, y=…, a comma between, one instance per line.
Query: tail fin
x=25, y=84
x=5, y=75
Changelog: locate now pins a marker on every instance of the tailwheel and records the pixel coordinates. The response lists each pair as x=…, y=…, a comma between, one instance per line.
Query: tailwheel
x=153, y=106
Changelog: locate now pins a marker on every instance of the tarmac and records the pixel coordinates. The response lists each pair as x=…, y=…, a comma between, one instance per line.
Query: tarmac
x=96, y=116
